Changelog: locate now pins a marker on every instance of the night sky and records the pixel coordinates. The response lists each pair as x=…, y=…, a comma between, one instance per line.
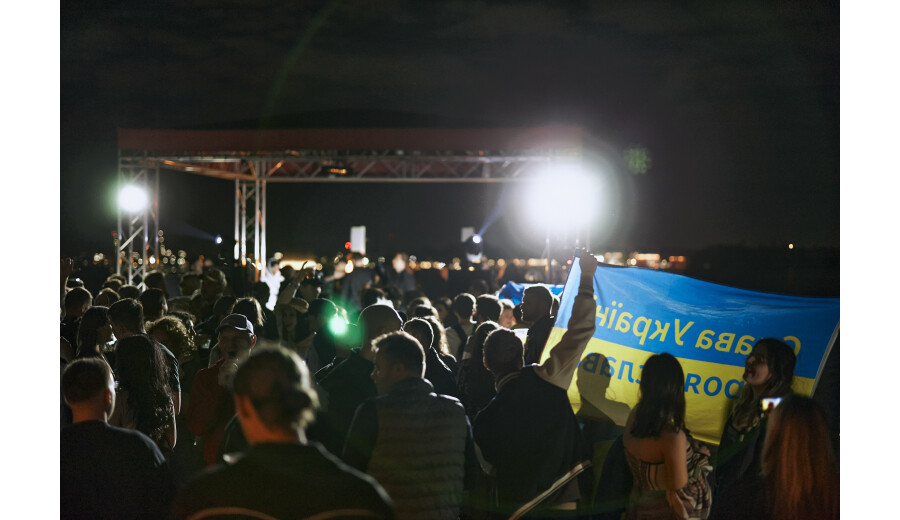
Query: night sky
x=737, y=103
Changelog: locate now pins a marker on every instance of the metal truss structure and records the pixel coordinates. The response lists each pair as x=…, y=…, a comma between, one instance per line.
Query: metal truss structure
x=135, y=228
x=252, y=160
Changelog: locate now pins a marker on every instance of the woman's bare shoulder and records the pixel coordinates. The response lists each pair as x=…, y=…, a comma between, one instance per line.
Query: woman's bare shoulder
x=673, y=438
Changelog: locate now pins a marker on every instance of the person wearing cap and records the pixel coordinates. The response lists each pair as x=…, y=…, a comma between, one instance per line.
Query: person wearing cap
x=211, y=407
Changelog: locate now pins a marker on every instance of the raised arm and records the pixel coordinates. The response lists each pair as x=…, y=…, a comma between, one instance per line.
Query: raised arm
x=559, y=368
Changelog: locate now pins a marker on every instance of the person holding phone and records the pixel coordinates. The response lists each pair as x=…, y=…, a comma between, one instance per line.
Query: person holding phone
x=768, y=373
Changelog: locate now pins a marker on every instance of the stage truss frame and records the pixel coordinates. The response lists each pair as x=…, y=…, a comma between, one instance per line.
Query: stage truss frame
x=141, y=160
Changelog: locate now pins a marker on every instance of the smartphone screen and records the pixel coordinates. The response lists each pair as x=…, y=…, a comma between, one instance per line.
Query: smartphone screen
x=769, y=403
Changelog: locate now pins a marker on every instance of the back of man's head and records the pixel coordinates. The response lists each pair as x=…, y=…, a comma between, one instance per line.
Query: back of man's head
x=487, y=308
x=129, y=291
x=77, y=301
x=213, y=284
x=478, y=287
x=372, y=296
x=463, y=305
x=540, y=293
x=277, y=384
x=223, y=306
x=114, y=282
x=216, y=277
x=322, y=307
x=261, y=292
x=128, y=315
x=503, y=352
x=376, y=320
x=414, y=302
x=190, y=282
x=106, y=297
x=155, y=280
x=403, y=349
x=84, y=380
x=421, y=330
x=154, y=303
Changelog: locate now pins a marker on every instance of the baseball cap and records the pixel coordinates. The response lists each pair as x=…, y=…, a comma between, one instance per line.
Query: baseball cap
x=236, y=321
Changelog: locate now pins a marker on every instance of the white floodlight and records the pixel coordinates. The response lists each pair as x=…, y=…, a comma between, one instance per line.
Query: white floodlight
x=563, y=198
x=133, y=199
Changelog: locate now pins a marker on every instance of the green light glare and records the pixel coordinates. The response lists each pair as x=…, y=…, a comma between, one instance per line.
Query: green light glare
x=638, y=160
x=337, y=325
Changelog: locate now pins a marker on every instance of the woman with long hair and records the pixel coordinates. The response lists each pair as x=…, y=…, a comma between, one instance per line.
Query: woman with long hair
x=668, y=466
x=94, y=333
x=798, y=463
x=798, y=478
x=440, y=344
x=144, y=400
x=768, y=372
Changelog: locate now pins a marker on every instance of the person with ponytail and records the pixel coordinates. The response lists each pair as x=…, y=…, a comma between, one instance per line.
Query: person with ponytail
x=281, y=475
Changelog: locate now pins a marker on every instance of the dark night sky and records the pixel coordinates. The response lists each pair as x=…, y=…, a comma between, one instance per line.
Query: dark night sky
x=738, y=103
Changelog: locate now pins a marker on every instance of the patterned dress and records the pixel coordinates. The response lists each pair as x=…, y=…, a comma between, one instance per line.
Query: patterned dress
x=648, y=495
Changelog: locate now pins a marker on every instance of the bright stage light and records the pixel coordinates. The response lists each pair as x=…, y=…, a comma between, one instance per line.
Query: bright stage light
x=474, y=248
x=218, y=239
x=133, y=199
x=563, y=198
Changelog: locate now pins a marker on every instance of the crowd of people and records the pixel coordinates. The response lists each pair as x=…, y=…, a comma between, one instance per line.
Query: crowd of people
x=380, y=402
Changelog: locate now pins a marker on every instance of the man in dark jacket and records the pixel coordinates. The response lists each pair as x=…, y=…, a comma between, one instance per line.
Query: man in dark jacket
x=528, y=435
x=346, y=380
x=410, y=439
x=105, y=471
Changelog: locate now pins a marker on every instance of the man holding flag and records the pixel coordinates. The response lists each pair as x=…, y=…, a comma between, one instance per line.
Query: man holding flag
x=528, y=435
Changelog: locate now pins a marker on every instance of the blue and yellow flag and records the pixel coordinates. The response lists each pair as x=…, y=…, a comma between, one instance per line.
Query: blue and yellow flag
x=710, y=328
